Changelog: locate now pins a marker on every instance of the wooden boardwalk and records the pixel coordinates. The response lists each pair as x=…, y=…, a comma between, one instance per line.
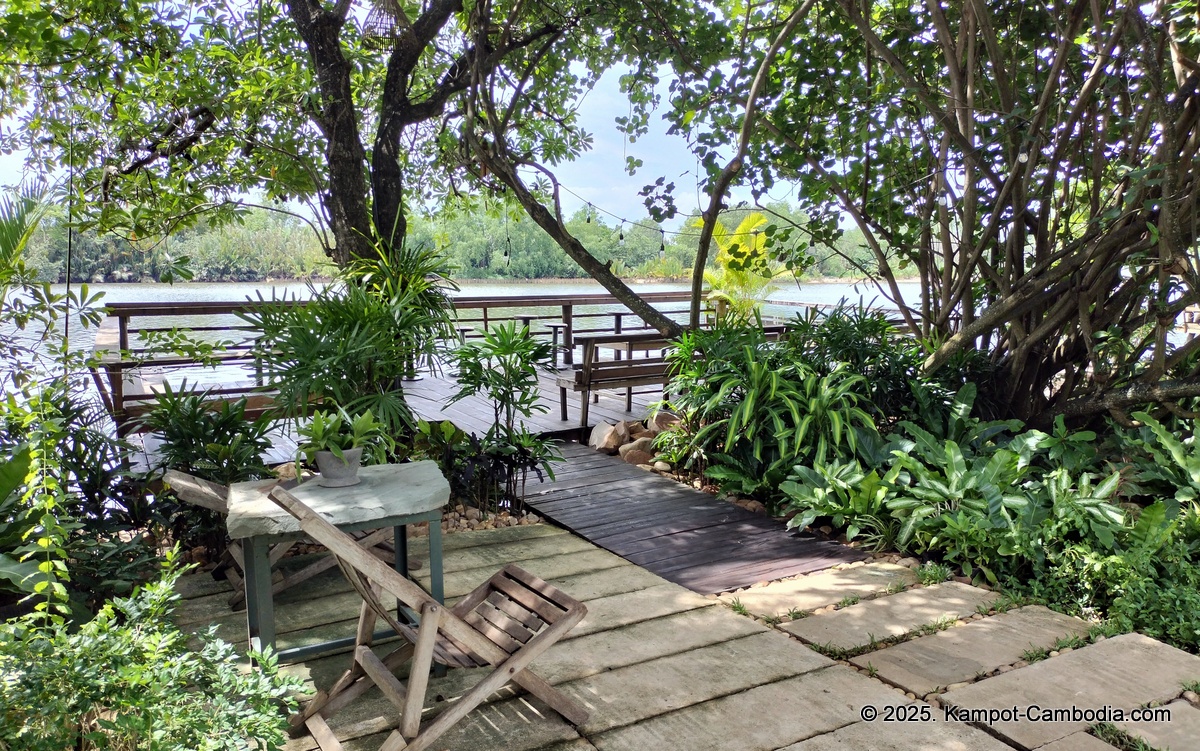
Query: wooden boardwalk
x=683, y=535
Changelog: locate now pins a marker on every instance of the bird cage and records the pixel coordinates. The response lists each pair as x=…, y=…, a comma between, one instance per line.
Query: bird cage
x=383, y=26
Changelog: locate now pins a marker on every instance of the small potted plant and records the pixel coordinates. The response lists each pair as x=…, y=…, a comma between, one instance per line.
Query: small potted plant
x=338, y=442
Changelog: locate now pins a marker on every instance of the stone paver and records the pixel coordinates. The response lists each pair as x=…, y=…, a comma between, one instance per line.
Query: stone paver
x=634, y=607
x=932, y=735
x=459, y=583
x=1078, y=742
x=818, y=590
x=592, y=585
x=1182, y=733
x=598, y=652
x=763, y=718
x=1122, y=672
x=655, y=687
x=961, y=654
x=895, y=615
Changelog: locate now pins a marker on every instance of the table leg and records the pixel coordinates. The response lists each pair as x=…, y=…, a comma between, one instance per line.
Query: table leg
x=435, y=560
x=260, y=607
x=436, y=586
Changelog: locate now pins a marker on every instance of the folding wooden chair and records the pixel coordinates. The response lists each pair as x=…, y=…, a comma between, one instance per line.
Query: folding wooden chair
x=210, y=495
x=506, y=623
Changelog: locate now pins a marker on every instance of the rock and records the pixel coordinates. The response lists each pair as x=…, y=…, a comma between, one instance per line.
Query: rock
x=644, y=445
x=285, y=471
x=647, y=467
x=606, y=437
x=637, y=457
x=754, y=507
x=663, y=421
x=956, y=686
x=908, y=562
x=1192, y=697
x=962, y=579
x=660, y=466
x=473, y=514
x=637, y=430
x=826, y=530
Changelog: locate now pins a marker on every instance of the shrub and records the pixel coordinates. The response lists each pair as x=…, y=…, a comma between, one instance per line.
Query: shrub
x=128, y=679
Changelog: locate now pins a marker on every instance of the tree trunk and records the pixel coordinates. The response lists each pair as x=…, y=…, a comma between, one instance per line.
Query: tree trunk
x=345, y=197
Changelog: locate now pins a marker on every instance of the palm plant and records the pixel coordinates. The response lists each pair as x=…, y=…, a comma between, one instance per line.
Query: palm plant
x=356, y=340
x=744, y=270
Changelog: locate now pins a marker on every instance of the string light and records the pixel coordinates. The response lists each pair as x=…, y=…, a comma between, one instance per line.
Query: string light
x=588, y=214
x=621, y=236
x=662, y=244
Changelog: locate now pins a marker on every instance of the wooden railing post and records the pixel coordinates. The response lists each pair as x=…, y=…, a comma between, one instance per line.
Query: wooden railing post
x=568, y=310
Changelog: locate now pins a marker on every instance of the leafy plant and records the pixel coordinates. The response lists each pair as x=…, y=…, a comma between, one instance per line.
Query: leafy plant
x=847, y=495
x=502, y=368
x=210, y=438
x=930, y=573
x=352, y=344
x=16, y=575
x=128, y=679
x=338, y=431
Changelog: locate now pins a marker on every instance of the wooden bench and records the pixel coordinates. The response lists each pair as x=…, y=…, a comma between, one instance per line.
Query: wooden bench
x=595, y=373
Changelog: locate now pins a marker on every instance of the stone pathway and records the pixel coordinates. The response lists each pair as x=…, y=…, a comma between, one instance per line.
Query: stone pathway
x=660, y=667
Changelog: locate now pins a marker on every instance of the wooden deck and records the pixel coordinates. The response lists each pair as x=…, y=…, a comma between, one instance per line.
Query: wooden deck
x=429, y=395
x=683, y=535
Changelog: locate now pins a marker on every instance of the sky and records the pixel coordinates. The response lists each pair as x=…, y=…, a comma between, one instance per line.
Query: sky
x=598, y=176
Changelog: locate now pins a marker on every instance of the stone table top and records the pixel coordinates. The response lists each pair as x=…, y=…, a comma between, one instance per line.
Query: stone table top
x=387, y=493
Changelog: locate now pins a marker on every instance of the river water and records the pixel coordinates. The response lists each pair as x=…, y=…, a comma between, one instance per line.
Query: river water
x=781, y=303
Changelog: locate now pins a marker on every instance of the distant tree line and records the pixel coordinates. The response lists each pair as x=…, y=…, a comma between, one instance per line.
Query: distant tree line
x=485, y=243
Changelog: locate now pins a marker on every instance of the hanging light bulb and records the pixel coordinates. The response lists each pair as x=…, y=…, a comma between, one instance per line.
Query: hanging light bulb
x=662, y=245
x=621, y=235
x=588, y=214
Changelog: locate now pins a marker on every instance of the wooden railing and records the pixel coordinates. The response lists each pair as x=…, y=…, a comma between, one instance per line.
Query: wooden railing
x=128, y=376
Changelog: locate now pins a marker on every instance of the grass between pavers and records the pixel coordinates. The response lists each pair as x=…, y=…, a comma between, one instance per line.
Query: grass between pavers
x=838, y=653
x=1119, y=739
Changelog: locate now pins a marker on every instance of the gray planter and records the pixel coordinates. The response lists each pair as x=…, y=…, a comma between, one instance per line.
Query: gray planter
x=336, y=473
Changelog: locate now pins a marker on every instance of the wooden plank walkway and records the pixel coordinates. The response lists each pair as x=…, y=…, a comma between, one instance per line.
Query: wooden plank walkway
x=683, y=535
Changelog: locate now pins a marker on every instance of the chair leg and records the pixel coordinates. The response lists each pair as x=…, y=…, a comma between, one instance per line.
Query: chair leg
x=562, y=402
x=583, y=408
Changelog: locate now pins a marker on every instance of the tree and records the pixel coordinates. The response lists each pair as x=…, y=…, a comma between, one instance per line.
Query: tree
x=166, y=110
x=1035, y=165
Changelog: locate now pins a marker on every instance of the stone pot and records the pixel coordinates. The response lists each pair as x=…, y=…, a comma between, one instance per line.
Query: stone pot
x=338, y=473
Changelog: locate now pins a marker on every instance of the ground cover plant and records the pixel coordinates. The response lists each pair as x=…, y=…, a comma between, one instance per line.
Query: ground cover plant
x=128, y=678
x=1103, y=523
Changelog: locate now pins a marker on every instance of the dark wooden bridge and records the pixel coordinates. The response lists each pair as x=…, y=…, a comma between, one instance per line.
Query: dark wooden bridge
x=683, y=535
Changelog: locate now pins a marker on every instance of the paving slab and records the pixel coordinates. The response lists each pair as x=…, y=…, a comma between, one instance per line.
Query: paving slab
x=459, y=583
x=761, y=719
x=933, y=735
x=633, y=607
x=1122, y=672
x=961, y=654
x=894, y=615
x=1181, y=733
x=656, y=687
x=598, y=652
x=818, y=590
x=497, y=556
x=592, y=585
x=1078, y=742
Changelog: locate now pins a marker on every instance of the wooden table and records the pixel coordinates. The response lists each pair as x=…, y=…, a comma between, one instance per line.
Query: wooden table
x=390, y=495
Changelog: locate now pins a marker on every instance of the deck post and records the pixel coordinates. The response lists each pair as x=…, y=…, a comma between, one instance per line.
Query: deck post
x=568, y=310
x=123, y=333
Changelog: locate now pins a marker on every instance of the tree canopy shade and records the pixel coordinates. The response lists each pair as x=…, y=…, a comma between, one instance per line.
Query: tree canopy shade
x=1035, y=164
x=166, y=109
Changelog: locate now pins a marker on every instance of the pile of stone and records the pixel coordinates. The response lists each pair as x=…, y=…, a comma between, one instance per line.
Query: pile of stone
x=466, y=518
x=633, y=440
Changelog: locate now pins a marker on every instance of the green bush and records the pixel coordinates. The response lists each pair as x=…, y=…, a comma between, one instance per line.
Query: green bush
x=127, y=679
x=501, y=367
